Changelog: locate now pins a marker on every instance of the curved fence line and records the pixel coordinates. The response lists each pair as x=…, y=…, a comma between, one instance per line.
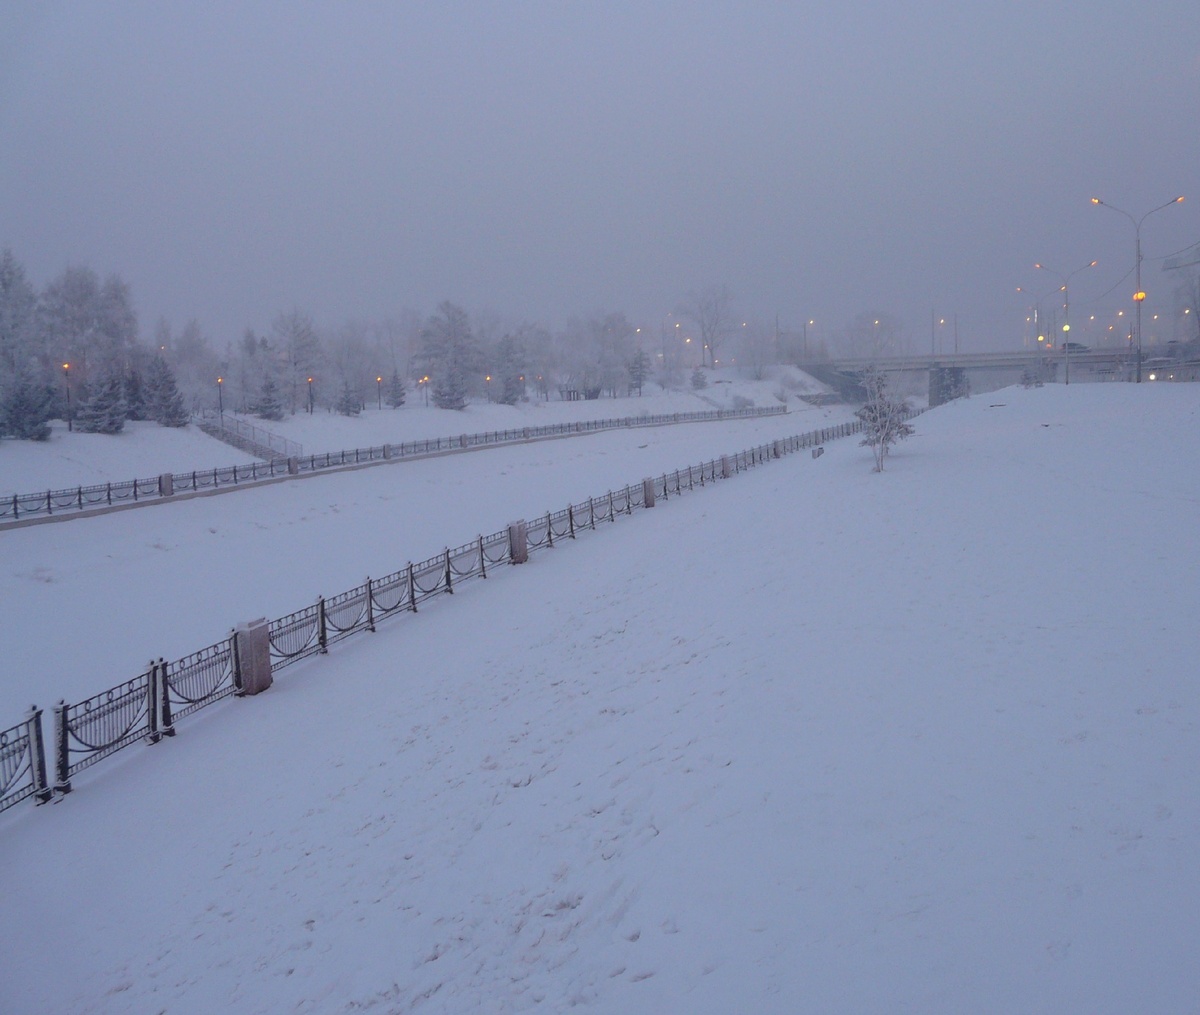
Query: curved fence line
x=14, y=507
x=145, y=708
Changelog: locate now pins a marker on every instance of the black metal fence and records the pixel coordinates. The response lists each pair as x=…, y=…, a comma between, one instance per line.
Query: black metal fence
x=147, y=707
x=80, y=498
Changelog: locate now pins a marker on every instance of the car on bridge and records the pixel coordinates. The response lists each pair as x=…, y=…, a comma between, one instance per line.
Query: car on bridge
x=1075, y=347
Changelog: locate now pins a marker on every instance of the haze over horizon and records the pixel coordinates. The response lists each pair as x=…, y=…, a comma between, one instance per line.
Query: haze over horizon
x=538, y=161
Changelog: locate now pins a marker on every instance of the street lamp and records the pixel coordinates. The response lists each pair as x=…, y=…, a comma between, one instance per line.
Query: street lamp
x=379, y=392
x=67, y=385
x=1066, y=328
x=220, y=397
x=1138, y=294
x=488, y=381
x=310, y=396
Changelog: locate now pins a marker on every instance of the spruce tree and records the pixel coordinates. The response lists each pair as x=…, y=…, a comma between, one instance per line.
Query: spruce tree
x=103, y=411
x=349, y=403
x=396, y=390
x=511, y=353
x=451, y=354
x=25, y=408
x=270, y=404
x=135, y=396
x=164, y=403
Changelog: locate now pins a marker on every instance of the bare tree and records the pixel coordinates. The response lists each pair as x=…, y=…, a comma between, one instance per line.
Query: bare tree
x=711, y=310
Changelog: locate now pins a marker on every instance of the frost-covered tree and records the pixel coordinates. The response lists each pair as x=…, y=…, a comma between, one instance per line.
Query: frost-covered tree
x=883, y=417
x=103, y=410
x=711, y=310
x=18, y=318
x=699, y=380
x=89, y=323
x=295, y=335
x=639, y=370
x=164, y=401
x=450, y=354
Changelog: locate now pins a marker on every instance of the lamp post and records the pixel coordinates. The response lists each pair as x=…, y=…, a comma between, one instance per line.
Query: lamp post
x=310, y=396
x=1066, y=328
x=67, y=385
x=488, y=381
x=220, y=396
x=379, y=392
x=1138, y=294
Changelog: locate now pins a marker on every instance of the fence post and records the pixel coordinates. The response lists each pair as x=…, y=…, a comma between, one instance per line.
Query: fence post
x=725, y=470
x=293, y=465
x=571, y=520
x=449, y=581
x=165, y=723
x=37, y=755
x=370, y=607
x=412, y=589
x=322, y=638
x=518, y=543
x=591, y=513
x=252, y=650
x=153, y=707
x=549, y=532
x=648, y=492
x=482, y=559
x=62, y=752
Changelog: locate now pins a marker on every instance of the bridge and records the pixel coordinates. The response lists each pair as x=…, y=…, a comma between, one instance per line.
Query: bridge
x=947, y=370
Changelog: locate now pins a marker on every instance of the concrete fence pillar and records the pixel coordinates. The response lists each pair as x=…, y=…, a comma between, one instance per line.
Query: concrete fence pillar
x=726, y=471
x=648, y=492
x=293, y=466
x=518, y=543
x=252, y=643
x=777, y=449
x=387, y=451
x=166, y=485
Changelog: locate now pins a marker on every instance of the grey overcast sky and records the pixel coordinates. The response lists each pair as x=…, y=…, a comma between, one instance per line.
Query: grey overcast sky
x=538, y=160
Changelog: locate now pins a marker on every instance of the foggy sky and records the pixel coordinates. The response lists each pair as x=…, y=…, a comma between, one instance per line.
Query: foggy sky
x=541, y=160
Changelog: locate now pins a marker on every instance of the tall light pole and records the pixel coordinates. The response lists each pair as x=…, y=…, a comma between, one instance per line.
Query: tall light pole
x=1066, y=328
x=310, y=396
x=67, y=385
x=220, y=397
x=379, y=392
x=1138, y=294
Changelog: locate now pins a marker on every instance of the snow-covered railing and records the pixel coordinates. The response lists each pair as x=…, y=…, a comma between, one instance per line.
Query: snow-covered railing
x=14, y=507
x=146, y=708
x=277, y=445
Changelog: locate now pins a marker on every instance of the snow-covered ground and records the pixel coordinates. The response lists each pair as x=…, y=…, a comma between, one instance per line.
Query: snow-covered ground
x=143, y=450
x=813, y=739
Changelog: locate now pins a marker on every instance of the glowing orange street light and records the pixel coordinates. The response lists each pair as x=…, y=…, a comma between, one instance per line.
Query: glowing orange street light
x=220, y=397
x=1138, y=294
x=379, y=391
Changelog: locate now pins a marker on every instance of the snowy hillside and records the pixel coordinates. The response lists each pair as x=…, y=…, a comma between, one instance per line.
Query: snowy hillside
x=812, y=739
